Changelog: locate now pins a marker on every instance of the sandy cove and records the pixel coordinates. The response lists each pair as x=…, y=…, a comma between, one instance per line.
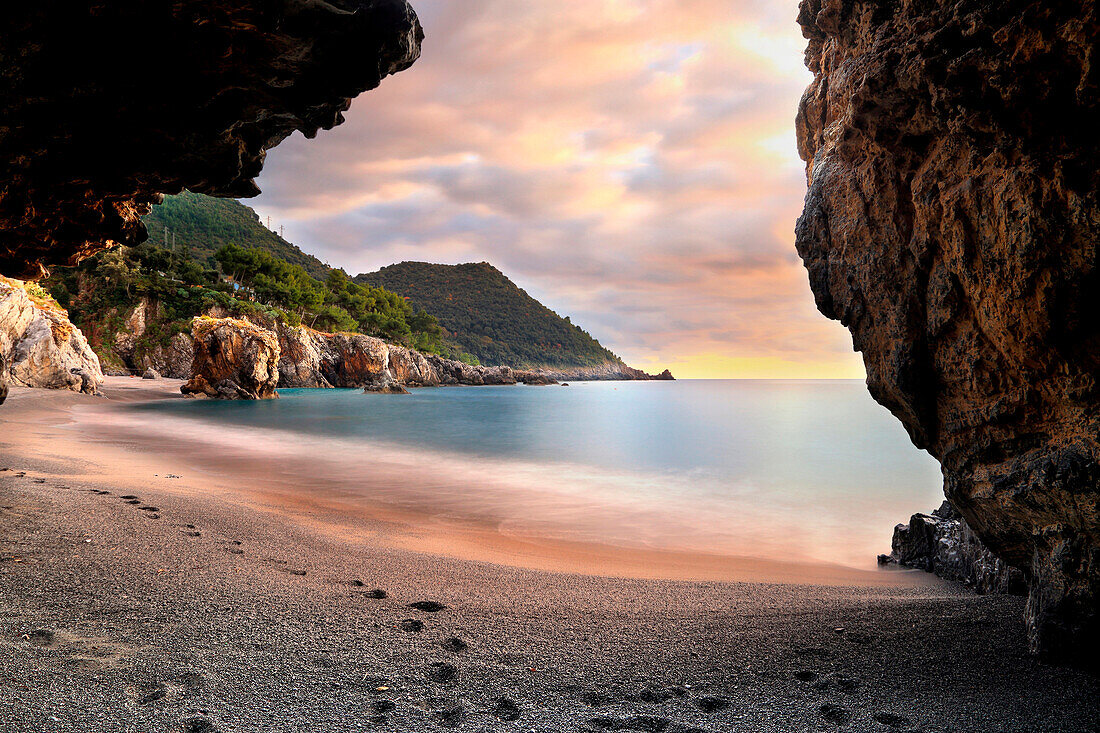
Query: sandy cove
x=133, y=600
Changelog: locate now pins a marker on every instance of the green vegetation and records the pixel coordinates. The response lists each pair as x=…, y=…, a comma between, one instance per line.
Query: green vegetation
x=486, y=315
x=205, y=224
x=242, y=280
x=219, y=256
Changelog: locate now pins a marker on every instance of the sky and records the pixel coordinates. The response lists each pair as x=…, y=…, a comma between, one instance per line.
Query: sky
x=630, y=163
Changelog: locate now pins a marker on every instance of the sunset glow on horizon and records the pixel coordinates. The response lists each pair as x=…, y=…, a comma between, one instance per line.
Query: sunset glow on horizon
x=630, y=163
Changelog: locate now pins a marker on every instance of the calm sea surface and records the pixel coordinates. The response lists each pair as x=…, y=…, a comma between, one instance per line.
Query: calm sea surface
x=782, y=469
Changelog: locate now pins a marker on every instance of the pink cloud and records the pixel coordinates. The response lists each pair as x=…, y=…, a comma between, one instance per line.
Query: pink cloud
x=629, y=162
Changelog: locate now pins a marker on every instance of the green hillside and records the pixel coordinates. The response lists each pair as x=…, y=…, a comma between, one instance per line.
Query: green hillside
x=489, y=316
x=205, y=224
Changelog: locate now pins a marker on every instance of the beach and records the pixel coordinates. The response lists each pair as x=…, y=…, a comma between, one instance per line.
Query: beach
x=147, y=587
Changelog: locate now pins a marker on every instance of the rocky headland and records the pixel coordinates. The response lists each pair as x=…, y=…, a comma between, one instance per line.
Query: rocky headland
x=952, y=224
x=232, y=352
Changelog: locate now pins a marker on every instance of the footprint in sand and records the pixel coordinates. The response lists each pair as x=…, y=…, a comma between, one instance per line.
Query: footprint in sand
x=805, y=675
x=442, y=672
x=455, y=645
x=712, y=704
x=452, y=717
x=506, y=709
x=197, y=724
x=41, y=637
x=232, y=550
x=377, y=593
x=412, y=625
x=427, y=606
x=134, y=500
x=837, y=714
x=891, y=720
x=148, y=693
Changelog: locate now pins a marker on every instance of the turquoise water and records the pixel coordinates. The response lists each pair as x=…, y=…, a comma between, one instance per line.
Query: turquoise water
x=795, y=469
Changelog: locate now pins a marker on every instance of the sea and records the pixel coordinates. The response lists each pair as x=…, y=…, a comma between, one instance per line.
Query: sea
x=779, y=469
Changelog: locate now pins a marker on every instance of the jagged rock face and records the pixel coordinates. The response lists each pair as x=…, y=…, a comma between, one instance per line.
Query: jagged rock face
x=130, y=355
x=412, y=368
x=315, y=359
x=943, y=543
x=106, y=105
x=39, y=347
x=234, y=360
x=952, y=224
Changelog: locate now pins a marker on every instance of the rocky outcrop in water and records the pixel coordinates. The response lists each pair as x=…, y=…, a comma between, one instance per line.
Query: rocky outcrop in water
x=106, y=105
x=952, y=224
x=234, y=360
x=608, y=372
x=942, y=543
x=39, y=347
x=302, y=357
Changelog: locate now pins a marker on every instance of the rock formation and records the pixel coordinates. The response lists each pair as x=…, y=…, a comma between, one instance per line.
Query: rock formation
x=105, y=105
x=610, y=371
x=135, y=350
x=952, y=224
x=943, y=543
x=234, y=360
x=39, y=347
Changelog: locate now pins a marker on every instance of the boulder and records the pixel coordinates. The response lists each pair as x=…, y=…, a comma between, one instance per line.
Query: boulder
x=943, y=543
x=534, y=379
x=151, y=373
x=40, y=347
x=951, y=223
x=234, y=360
x=385, y=385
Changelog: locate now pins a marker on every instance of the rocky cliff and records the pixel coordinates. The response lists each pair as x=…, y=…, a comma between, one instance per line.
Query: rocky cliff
x=238, y=359
x=234, y=360
x=38, y=345
x=952, y=224
x=105, y=105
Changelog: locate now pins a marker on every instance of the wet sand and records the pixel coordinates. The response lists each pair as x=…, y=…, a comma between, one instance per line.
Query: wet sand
x=148, y=588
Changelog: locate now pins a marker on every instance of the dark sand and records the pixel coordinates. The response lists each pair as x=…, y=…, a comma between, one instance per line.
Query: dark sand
x=230, y=607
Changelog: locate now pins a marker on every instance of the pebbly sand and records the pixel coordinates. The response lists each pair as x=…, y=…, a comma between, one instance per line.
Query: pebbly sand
x=146, y=588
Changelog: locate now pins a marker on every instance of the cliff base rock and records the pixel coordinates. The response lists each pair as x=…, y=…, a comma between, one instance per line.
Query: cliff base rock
x=942, y=543
x=952, y=223
x=234, y=360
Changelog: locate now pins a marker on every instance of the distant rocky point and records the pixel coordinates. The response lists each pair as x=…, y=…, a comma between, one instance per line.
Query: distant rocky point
x=239, y=359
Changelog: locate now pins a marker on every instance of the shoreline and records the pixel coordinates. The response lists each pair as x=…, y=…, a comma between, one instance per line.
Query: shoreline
x=238, y=609
x=232, y=474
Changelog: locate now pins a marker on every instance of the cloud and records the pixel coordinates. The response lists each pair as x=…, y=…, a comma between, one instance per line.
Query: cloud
x=629, y=162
